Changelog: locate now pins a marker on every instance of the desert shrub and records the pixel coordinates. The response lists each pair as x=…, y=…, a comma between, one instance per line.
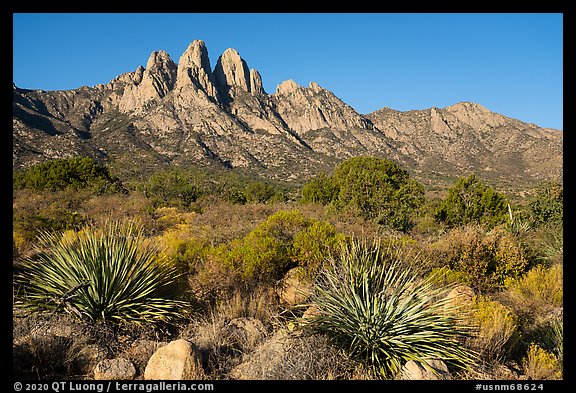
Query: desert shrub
x=167, y=218
x=282, y=241
x=266, y=250
x=470, y=201
x=184, y=248
x=19, y=244
x=547, y=206
x=320, y=189
x=507, y=254
x=447, y=276
x=172, y=187
x=225, y=221
x=375, y=189
x=259, y=192
x=35, y=211
x=537, y=292
x=425, y=223
x=72, y=173
x=313, y=245
x=489, y=259
x=496, y=328
x=540, y=364
x=117, y=207
x=234, y=195
x=110, y=274
x=259, y=301
x=299, y=356
x=373, y=306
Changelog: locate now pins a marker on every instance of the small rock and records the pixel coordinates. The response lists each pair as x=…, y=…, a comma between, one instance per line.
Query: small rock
x=293, y=289
x=248, y=330
x=462, y=294
x=140, y=352
x=115, y=369
x=436, y=370
x=89, y=357
x=311, y=312
x=179, y=360
x=265, y=357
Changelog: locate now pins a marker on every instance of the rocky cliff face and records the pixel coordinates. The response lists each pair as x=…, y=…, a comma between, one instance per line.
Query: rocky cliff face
x=189, y=112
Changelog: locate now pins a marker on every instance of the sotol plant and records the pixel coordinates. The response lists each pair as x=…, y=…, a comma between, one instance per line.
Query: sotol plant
x=380, y=312
x=112, y=273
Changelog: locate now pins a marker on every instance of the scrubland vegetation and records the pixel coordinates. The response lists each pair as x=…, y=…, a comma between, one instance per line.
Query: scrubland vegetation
x=182, y=252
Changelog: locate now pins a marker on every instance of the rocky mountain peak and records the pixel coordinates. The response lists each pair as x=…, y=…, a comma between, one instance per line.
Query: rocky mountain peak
x=159, y=59
x=150, y=83
x=315, y=87
x=232, y=70
x=287, y=87
x=467, y=105
x=137, y=77
x=475, y=115
x=194, y=71
x=195, y=56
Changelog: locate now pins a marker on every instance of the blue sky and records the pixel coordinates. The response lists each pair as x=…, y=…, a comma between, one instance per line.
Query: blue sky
x=510, y=63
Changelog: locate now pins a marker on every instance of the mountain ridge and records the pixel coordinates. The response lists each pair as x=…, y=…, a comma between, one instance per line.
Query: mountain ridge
x=190, y=112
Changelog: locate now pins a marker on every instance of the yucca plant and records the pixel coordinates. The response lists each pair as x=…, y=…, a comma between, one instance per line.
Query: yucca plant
x=516, y=225
x=112, y=274
x=553, y=337
x=378, y=310
x=554, y=250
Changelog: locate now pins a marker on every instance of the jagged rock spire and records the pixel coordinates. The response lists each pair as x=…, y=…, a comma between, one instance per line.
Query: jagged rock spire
x=194, y=70
x=232, y=70
x=150, y=83
x=256, y=82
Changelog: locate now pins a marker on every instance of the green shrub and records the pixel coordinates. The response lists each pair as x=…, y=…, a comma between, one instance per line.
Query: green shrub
x=173, y=187
x=446, y=276
x=284, y=240
x=259, y=192
x=234, y=195
x=374, y=188
x=314, y=244
x=320, y=189
x=470, y=201
x=71, y=173
x=378, y=310
x=36, y=211
x=111, y=274
x=547, y=206
x=184, y=249
x=267, y=250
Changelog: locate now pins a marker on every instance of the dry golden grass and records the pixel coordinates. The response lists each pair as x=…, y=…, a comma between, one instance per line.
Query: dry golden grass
x=540, y=364
x=538, y=292
x=495, y=329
